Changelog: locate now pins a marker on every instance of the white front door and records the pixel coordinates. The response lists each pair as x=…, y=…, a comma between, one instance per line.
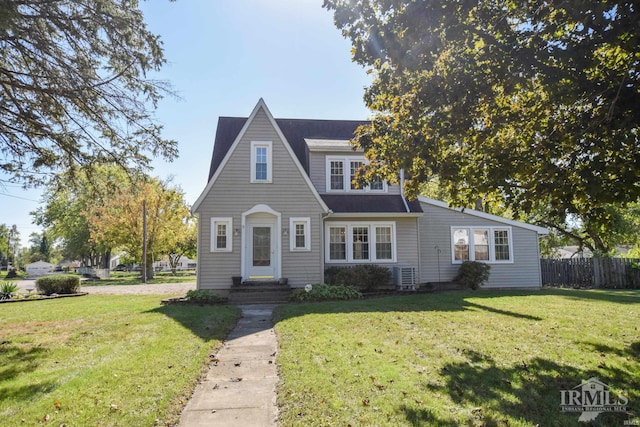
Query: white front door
x=261, y=249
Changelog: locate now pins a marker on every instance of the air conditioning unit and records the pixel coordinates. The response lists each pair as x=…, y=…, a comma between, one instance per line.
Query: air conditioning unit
x=404, y=278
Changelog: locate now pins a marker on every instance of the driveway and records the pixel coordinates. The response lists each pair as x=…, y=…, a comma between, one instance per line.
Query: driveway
x=142, y=289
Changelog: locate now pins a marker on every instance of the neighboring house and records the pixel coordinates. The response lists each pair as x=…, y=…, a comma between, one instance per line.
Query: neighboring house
x=280, y=203
x=184, y=263
x=39, y=268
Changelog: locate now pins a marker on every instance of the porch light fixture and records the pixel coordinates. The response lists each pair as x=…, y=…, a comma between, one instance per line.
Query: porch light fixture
x=285, y=232
x=236, y=231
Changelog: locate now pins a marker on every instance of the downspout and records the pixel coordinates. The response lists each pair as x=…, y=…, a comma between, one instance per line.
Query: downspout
x=323, y=216
x=404, y=200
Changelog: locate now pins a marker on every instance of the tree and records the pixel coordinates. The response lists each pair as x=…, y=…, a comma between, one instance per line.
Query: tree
x=533, y=103
x=41, y=248
x=120, y=220
x=68, y=202
x=185, y=243
x=74, y=87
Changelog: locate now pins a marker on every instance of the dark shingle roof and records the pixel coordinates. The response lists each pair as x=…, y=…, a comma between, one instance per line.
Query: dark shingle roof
x=294, y=130
x=369, y=203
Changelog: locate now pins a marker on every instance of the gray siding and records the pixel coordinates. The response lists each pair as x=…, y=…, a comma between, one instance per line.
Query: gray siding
x=318, y=171
x=233, y=193
x=435, y=233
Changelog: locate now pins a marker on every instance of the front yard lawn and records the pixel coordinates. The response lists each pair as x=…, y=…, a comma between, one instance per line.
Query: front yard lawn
x=104, y=360
x=135, y=278
x=484, y=358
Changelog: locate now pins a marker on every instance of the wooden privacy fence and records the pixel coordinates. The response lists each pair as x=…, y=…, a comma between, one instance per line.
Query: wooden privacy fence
x=611, y=273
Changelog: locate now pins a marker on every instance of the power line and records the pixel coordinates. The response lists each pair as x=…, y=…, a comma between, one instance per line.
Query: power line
x=17, y=197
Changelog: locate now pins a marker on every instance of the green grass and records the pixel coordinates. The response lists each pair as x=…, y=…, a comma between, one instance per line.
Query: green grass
x=135, y=278
x=458, y=358
x=103, y=360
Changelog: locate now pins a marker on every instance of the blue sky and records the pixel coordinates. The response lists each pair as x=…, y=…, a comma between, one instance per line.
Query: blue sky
x=222, y=56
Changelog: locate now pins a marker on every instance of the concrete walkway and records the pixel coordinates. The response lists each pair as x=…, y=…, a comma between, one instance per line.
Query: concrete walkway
x=240, y=387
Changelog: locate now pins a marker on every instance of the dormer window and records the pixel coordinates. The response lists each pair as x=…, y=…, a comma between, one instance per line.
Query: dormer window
x=342, y=171
x=261, y=161
x=336, y=174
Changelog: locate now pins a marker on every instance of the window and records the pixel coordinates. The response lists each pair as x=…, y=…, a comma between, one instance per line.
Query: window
x=361, y=242
x=377, y=185
x=481, y=245
x=384, y=247
x=354, y=170
x=337, y=246
x=337, y=175
x=261, y=161
x=299, y=234
x=489, y=244
x=502, y=247
x=221, y=234
x=341, y=174
x=461, y=244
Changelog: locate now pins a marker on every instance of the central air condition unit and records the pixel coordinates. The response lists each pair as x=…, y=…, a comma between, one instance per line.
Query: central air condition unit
x=404, y=278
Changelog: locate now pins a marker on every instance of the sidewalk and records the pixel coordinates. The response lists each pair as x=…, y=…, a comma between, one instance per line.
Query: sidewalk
x=240, y=387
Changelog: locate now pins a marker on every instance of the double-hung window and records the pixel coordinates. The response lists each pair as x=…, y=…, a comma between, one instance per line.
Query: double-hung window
x=221, y=234
x=261, y=159
x=299, y=234
x=342, y=171
x=361, y=242
x=486, y=244
x=336, y=175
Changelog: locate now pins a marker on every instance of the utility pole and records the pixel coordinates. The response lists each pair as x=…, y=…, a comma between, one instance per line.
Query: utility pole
x=144, y=241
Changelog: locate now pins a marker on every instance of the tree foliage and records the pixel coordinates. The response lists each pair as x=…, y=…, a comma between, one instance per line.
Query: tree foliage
x=64, y=213
x=120, y=220
x=74, y=87
x=531, y=102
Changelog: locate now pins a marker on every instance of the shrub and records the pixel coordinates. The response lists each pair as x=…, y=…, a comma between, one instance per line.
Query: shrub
x=7, y=289
x=58, y=284
x=11, y=274
x=203, y=296
x=325, y=293
x=473, y=274
x=364, y=277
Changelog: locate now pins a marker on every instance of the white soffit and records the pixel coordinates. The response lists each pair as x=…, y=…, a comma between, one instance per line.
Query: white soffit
x=329, y=145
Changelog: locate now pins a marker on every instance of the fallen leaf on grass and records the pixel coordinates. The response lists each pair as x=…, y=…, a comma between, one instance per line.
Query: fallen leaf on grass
x=46, y=418
x=57, y=404
x=365, y=402
x=114, y=407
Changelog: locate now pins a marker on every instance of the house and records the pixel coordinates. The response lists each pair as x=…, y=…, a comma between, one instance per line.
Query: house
x=38, y=268
x=184, y=263
x=280, y=203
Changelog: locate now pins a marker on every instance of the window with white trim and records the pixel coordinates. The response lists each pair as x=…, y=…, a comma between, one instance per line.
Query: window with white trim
x=341, y=174
x=361, y=242
x=485, y=244
x=336, y=175
x=221, y=234
x=299, y=234
x=261, y=159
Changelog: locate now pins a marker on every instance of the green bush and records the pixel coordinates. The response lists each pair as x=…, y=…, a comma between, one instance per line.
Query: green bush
x=7, y=289
x=364, y=277
x=473, y=274
x=325, y=293
x=58, y=284
x=11, y=274
x=203, y=296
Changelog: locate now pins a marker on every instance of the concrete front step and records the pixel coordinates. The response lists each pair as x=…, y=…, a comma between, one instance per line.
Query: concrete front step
x=264, y=293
